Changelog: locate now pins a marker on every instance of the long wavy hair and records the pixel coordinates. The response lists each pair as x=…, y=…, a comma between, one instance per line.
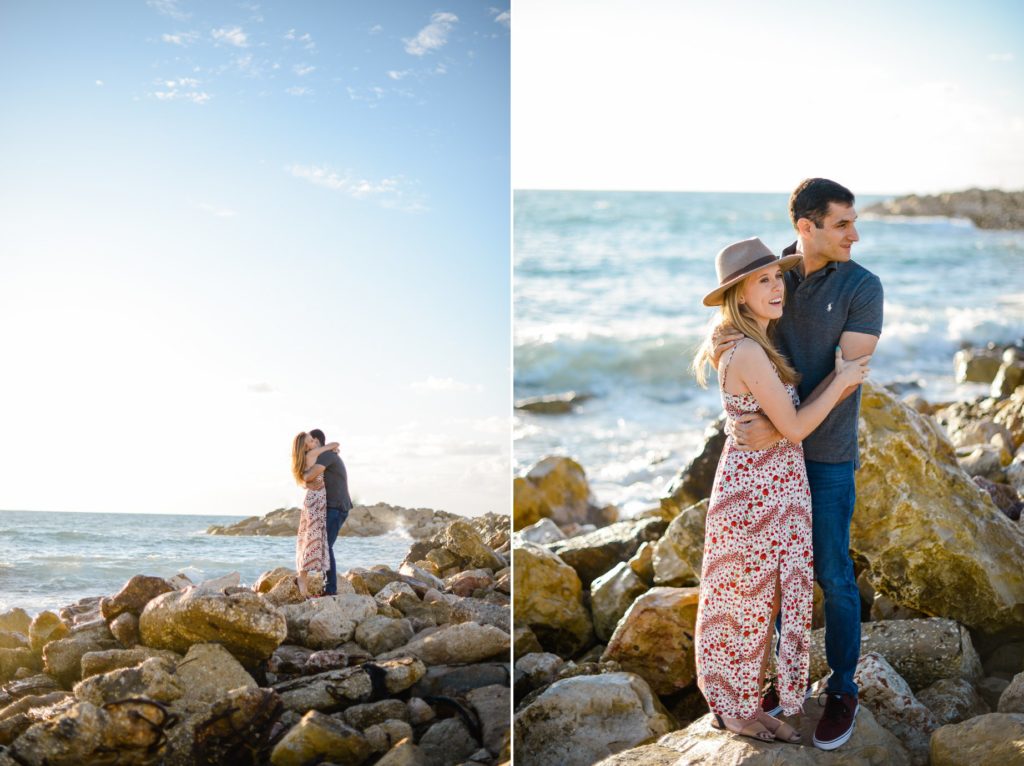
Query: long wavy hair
x=299, y=457
x=736, y=314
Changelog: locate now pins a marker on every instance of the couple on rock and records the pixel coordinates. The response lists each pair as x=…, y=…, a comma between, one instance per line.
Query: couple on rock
x=791, y=348
x=318, y=467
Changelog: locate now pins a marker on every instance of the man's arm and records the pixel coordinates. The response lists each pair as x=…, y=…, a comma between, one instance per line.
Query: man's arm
x=854, y=346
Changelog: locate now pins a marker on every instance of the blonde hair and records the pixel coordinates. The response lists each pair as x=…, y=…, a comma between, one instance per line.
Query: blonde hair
x=736, y=314
x=299, y=457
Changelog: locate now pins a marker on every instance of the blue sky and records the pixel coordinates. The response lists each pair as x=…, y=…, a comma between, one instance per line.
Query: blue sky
x=223, y=223
x=741, y=95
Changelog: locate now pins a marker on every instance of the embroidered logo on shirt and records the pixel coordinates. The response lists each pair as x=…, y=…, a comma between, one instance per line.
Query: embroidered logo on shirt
x=829, y=307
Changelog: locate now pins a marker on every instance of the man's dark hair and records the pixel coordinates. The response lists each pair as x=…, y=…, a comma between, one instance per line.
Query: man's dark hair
x=316, y=433
x=811, y=199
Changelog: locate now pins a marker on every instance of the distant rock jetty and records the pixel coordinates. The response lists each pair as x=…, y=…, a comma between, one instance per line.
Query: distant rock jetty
x=985, y=208
x=363, y=521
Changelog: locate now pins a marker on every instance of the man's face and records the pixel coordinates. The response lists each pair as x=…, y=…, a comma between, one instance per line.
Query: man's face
x=834, y=240
x=311, y=442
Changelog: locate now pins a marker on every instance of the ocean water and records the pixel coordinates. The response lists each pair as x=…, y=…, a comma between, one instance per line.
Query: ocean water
x=49, y=560
x=607, y=301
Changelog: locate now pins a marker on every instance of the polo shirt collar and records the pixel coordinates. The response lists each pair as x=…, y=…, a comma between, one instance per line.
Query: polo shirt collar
x=798, y=272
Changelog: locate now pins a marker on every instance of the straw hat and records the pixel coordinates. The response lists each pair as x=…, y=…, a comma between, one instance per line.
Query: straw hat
x=741, y=258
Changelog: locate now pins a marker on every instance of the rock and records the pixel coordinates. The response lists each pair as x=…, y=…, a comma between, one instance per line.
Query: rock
x=594, y=553
x=404, y=753
x=577, y=721
x=991, y=689
x=419, y=711
x=326, y=622
x=536, y=670
x=1003, y=495
x=93, y=663
x=286, y=591
x=884, y=608
x=700, y=745
x=974, y=432
x=679, y=554
x=13, y=659
x=611, y=595
x=492, y=705
x=207, y=672
x=922, y=651
x=11, y=640
x=336, y=688
x=379, y=634
x=1007, y=658
x=328, y=659
x=464, y=541
x=654, y=639
x=289, y=659
x=133, y=596
x=561, y=493
x=382, y=736
x=552, y=404
x=1009, y=376
x=421, y=576
x=457, y=680
x=524, y=642
x=933, y=540
x=154, y=679
x=363, y=521
x=985, y=208
x=894, y=706
x=363, y=716
x=1012, y=698
x=543, y=531
x=985, y=460
x=17, y=717
x=952, y=700
x=469, y=582
x=642, y=562
x=232, y=730
x=44, y=628
x=268, y=580
x=247, y=626
x=548, y=598
x=448, y=742
x=977, y=365
x=16, y=620
x=318, y=737
x=996, y=739
x=693, y=483
x=465, y=642
x=62, y=658
x=125, y=628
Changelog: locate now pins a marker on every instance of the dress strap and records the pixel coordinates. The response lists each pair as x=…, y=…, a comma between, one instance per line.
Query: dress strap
x=724, y=365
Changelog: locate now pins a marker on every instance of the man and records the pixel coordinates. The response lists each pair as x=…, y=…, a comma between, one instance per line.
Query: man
x=830, y=301
x=338, y=503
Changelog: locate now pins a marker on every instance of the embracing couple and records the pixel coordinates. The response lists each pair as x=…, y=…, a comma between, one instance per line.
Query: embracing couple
x=317, y=466
x=791, y=349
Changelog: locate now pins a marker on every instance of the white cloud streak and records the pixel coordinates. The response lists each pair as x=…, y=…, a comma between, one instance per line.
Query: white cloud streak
x=305, y=39
x=184, y=39
x=182, y=89
x=303, y=69
x=393, y=192
x=299, y=90
x=169, y=8
x=433, y=36
x=231, y=35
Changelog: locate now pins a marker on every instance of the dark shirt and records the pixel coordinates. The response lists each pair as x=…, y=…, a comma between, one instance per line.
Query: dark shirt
x=841, y=297
x=336, y=481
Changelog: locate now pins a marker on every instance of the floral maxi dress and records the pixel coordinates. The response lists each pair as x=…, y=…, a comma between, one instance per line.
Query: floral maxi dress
x=757, y=538
x=311, y=551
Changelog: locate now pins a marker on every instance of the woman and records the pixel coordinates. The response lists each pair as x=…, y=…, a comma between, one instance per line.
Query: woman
x=311, y=550
x=757, y=554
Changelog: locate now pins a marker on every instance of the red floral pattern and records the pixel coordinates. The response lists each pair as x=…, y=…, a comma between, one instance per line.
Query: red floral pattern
x=311, y=551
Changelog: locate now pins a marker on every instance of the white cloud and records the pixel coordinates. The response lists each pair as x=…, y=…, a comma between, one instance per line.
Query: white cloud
x=444, y=384
x=1003, y=58
x=183, y=39
x=220, y=212
x=393, y=192
x=441, y=69
x=299, y=90
x=305, y=39
x=365, y=94
x=396, y=75
x=182, y=89
x=376, y=29
x=432, y=36
x=501, y=17
x=169, y=8
x=303, y=69
x=99, y=82
x=230, y=35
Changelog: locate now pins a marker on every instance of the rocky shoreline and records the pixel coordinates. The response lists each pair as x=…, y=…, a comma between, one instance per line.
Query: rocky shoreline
x=605, y=607
x=406, y=667
x=985, y=208
x=363, y=521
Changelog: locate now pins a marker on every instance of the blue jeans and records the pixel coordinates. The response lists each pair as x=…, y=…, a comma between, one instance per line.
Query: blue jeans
x=335, y=518
x=833, y=494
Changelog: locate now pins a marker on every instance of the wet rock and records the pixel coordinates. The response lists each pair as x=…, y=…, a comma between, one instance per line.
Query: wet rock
x=447, y=742
x=491, y=705
x=457, y=680
x=1012, y=698
x=578, y=721
x=996, y=739
x=363, y=716
x=654, y=639
x=341, y=688
x=953, y=700
x=594, y=553
x=922, y=651
x=44, y=628
x=319, y=737
x=465, y=642
x=553, y=404
x=94, y=663
x=133, y=596
x=543, y=531
x=894, y=705
x=548, y=598
x=378, y=634
x=611, y=595
x=247, y=626
x=693, y=483
x=125, y=628
x=932, y=539
x=679, y=554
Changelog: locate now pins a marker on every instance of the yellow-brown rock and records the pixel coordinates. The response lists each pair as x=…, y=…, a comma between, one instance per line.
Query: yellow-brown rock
x=933, y=539
x=996, y=739
x=562, y=493
x=548, y=598
x=654, y=639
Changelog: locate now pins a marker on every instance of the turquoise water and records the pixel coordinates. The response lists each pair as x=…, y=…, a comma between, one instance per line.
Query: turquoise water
x=49, y=560
x=607, y=300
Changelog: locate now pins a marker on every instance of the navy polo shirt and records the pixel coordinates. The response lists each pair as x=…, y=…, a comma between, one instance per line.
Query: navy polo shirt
x=842, y=297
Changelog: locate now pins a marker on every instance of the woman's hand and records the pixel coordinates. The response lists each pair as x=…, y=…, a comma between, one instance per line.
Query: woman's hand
x=333, y=446
x=853, y=372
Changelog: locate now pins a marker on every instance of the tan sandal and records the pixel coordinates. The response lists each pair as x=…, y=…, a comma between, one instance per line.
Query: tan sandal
x=780, y=730
x=761, y=733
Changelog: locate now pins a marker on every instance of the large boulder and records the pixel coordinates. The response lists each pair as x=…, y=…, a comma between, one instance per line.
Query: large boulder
x=679, y=554
x=693, y=483
x=464, y=541
x=611, y=595
x=555, y=488
x=341, y=688
x=133, y=596
x=594, y=553
x=46, y=627
x=62, y=658
x=933, y=539
x=244, y=623
x=996, y=739
x=464, y=642
x=1012, y=698
x=548, y=598
x=318, y=737
x=577, y=721
x=953, y=700
x=654, y=639
x=327, y=622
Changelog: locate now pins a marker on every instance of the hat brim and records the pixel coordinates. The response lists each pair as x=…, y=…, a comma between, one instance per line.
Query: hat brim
x=786, y=262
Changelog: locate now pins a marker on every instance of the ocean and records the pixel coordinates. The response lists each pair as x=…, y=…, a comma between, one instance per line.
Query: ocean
x=607, y=301
x=50, y=560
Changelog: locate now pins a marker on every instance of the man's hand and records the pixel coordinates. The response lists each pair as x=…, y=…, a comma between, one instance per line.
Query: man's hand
x=723, y=338
x=753, y=431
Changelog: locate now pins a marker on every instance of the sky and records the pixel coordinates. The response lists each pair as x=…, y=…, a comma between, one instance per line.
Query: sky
x=222, y=223
x=686, y=95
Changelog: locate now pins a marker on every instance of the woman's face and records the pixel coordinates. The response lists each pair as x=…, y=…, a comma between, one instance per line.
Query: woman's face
x=310, y=443
x=763, y=292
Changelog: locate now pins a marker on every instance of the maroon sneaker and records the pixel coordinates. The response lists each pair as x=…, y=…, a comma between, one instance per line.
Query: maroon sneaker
x=836, y=724
x=770, y=702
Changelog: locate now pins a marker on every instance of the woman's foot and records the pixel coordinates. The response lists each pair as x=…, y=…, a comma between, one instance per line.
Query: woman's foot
x=300, y=582
x=780, y=730
x=752, y=727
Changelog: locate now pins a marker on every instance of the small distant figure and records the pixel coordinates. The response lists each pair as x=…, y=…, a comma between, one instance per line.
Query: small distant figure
x=312, y=553
x=338, y=502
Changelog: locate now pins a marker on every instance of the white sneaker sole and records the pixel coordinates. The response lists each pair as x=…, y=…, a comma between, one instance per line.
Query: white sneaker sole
x=840, y=740
x=778, y=709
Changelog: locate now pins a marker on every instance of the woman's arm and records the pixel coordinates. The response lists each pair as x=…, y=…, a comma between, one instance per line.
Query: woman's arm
x=316, y=452
x=756, y=373
x=313, y=472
